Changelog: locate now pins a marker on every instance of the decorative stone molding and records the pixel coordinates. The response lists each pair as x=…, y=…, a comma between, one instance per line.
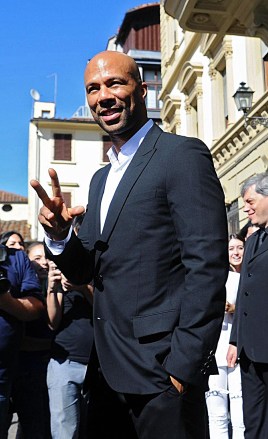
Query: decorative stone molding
x=200, y=18
x=188, y=107
x=170, y=113
x=258, y=27
x=221, y=17
x=238, y=137
x=176, y=63
x=213, y=73
x=189, y=75
x=199, y=91
x=227, y=48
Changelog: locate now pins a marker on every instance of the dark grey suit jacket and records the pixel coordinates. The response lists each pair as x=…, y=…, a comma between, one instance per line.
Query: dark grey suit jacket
x=250, y=325
x=159, y=266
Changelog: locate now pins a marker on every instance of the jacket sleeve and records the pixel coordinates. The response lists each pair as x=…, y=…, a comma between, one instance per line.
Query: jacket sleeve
x=75, y=262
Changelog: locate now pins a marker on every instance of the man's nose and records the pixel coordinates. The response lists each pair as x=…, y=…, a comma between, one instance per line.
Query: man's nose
x=105, y=94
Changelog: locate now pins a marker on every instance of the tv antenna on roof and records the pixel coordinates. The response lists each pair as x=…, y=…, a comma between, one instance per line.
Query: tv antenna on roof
x=55, y=85
x=35, y=95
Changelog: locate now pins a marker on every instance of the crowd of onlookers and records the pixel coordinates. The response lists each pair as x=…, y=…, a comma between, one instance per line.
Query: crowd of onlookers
x=47, y=383
x=154, y=242
x=47, y=390
x=47, y=386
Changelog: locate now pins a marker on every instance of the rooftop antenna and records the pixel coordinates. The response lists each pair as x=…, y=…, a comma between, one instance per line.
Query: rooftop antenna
x=55, y=85
x=35, y=96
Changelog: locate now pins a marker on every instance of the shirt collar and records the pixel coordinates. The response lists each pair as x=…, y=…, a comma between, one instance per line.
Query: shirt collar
x=130, y=147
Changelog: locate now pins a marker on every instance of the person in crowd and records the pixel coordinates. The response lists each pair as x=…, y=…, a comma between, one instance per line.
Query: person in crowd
x=225, y=393
x=36, y=253
x=12, y=239
x=154, y=239
x=248, y=340
x=70, y=316
x=248, y=230
x=30, y=393
x=77, y=222
x=20, y=300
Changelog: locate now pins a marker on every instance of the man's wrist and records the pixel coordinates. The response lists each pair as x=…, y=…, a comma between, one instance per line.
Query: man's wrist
x=59, y=236
x=56, y=247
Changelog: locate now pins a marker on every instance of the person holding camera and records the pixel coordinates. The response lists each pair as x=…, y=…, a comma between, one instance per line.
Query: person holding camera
x=69, y=310
x=20, y=300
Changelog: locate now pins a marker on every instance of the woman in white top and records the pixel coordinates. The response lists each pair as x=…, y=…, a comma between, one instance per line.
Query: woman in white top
x=224, y=398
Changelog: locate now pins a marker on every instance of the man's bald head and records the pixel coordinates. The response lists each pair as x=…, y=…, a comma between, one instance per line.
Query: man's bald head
x=109, y=56
x=116, y=94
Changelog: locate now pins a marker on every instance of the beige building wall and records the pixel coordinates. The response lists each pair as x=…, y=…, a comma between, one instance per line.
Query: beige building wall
x=74, y=175
x=19, y=212
x=200, y=74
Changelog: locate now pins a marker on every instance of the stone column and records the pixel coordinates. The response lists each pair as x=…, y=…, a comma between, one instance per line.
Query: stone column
x=228, y=52
x=217, y=104
x=191, y=119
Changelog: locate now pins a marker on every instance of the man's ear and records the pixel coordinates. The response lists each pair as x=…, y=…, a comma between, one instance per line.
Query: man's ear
x=143, y=88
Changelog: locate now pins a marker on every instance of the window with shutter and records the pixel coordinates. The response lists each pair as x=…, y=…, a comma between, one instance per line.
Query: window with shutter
x=63, y=147
x=154, y=83
x=232, y=211
x=67, y=196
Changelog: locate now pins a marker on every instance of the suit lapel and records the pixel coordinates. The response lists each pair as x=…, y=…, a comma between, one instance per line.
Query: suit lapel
x=133, y=172
x=99, y=192
x=253, y=242
x=263, y=248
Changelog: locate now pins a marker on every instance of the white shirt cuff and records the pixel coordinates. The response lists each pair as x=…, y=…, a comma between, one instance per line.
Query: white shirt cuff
x=57, y=247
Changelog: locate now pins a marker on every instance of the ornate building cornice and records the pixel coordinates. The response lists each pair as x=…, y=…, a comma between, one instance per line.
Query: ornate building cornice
x=238, y=139
x=221, y=17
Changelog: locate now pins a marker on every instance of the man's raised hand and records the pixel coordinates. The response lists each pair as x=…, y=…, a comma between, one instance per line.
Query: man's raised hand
x=54, y=216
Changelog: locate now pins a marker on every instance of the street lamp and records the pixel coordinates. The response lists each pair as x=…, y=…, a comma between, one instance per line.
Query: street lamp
x=243, y=100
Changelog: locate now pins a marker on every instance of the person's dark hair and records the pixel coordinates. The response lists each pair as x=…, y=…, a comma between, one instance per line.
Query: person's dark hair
x=261, y=182
x=243, y=232
x=237, y=236
x=4, y=237
x=77, y=221
x=32, y=245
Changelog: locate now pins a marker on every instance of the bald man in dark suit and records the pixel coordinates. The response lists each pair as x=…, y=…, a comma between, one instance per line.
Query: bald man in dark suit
x=154, y=241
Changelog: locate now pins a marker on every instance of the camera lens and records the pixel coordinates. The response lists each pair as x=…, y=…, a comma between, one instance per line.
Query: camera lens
x=4, y=284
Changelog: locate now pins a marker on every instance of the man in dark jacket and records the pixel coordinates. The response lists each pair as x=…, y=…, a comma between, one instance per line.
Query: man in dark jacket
x=155, y=240
x=249, y=339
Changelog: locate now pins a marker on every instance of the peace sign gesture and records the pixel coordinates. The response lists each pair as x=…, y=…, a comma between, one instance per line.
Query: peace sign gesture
x=54, y=216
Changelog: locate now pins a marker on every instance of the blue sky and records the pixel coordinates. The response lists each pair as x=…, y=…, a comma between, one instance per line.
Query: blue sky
x=37, y=40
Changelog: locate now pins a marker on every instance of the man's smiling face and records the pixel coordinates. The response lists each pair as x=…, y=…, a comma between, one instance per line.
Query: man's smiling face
x=115, y=94
x=256, y=207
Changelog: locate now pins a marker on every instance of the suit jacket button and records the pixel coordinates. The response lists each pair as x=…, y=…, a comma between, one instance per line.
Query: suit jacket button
x=249, y=274
x=246, y=293
x=245, y=314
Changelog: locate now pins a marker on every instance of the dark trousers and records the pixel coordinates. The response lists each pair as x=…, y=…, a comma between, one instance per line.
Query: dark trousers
x=169, y=414
x=30, y=399
x=255, y=397
x=166, y=415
